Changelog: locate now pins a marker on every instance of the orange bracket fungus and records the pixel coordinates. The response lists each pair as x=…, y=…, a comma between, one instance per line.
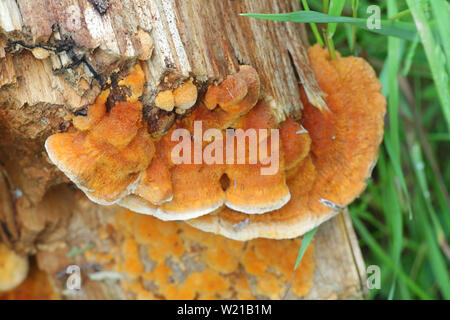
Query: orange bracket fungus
x=106, y=151
x=220, y=159
x=14, y=268
x=344, y=144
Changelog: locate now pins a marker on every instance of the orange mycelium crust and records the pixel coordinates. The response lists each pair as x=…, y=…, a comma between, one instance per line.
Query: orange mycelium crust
x=165, y=100
x=36, y=286
x=171, y=260
x=13, y=268
x=185, y=96
x=344, y=149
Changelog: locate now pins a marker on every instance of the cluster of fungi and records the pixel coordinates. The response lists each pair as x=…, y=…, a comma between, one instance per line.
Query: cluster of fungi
x=224, y=268
x=115, y=155
x=119, y=152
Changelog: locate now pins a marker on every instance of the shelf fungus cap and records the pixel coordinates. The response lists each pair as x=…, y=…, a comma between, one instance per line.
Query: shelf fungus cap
x=230, y=92
x=344, y=149
x=105, y=154
x=237, y=94
x=204, y=188
x=165, y=100
x=185, y=96
x=323, y=158
x=13, y=268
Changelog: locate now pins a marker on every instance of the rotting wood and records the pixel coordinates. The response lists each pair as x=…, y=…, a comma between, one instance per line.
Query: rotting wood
x=54, y=57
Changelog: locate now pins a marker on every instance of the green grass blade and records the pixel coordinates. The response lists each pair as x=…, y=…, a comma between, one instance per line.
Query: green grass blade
x=398, y=172
x=438, y=137
x=419, y=168
x=378, y=251
x=434, y=55
x=336, y=7
x=410, y=56
x=355, y=4
x=395, y=222
x=325, y=5
x=74, y=251
x=388, y=78
x=393, y=63
x=305, y=243
x=389, y=28
x=350, y=36
x=400, y=15
x=313, y=25
x=444, y=209
x=307, y=237
x=441, y=11
x=437, y=262
x=395, y=218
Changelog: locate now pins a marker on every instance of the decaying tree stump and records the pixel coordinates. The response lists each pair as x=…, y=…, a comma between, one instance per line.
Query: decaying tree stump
x=55, y=56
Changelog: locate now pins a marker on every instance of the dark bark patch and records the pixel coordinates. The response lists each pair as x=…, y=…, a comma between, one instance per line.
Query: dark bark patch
x=118, y=93
x=158, y=121
x=100, y=5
